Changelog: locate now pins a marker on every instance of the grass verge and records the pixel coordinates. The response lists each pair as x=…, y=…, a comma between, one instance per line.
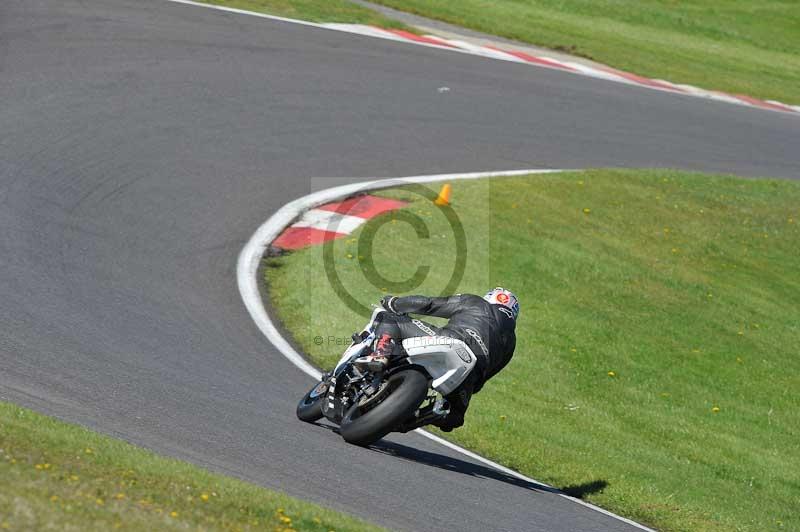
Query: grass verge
x=59, y=476
x=314, y=11
x=739, y=46
x=656, y=356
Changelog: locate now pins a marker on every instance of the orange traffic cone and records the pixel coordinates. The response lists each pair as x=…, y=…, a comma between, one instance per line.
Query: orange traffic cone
x=444, y=195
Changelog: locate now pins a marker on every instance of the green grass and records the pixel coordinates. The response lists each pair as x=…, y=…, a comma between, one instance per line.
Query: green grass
x=739, y=46
x=650, y=299
x=314, y=11
x=56, y=476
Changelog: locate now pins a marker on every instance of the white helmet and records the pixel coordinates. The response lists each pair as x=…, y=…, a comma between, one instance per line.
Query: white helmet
x=506, y=298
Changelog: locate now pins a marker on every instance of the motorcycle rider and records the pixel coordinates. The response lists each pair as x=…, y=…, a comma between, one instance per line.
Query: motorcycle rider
x=486, y=324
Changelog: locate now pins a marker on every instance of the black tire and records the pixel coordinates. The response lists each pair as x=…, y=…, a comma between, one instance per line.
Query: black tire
x=309, y=409
x=407, y=390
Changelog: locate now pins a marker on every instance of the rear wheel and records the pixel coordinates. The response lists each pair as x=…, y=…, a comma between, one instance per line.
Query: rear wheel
x=368, y=422
x=309, y=408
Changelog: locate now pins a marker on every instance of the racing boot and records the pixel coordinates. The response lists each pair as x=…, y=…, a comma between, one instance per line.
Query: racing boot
x=459, y=402
x=379, y=359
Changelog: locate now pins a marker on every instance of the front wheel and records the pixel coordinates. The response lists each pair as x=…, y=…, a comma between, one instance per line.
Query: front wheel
x=309, y=409
x=401, y=396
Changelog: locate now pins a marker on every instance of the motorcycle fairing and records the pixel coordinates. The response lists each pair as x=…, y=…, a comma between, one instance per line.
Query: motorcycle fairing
x=356, y=348
x=447, y=360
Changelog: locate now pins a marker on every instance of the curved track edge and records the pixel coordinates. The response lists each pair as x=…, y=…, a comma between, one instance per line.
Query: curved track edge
x=247, y=280
x=574, y=66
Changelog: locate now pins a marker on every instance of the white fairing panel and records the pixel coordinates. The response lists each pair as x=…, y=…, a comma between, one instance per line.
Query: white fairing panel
x=353, y=349
x=448, y=360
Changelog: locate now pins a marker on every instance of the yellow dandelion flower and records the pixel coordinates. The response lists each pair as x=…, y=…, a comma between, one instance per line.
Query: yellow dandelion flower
x=580, y=183
x=73, y=477
x=88, y=451
x=349, y=255
x=119, y=496
x=587, y=210
x=674, y=250
x=99, y=501
x=173, y=514
x=612, y=374
x=574, y=350
x=740, y=333
x=715, y=409
x=46, y=466
x=38, y=466
x=279, y=510
x=204, y=496
x=503, y=417
x=54, y=498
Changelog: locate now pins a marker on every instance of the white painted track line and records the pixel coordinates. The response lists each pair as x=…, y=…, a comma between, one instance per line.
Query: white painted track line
x=247, y=278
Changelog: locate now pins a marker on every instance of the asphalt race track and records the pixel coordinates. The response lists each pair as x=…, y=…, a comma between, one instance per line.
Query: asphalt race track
x=141, y=144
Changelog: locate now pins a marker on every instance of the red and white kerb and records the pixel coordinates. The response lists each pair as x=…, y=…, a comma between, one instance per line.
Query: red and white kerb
x=333, y=220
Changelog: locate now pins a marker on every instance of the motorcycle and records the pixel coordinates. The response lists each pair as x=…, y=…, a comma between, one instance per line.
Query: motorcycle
x=368, y=402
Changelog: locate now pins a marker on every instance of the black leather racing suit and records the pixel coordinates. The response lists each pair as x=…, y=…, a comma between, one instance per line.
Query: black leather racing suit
x=489, y=331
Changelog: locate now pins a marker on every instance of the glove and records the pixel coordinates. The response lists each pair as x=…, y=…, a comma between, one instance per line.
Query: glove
x=387, y=302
